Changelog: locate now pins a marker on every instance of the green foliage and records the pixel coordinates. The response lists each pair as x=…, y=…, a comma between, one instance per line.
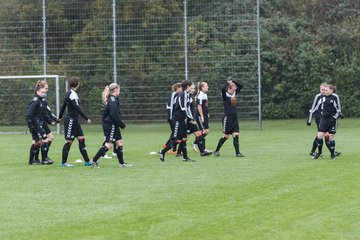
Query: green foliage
x=305, y=43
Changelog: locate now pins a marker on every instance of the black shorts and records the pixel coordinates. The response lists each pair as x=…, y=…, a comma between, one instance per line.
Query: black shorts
x=46, y=128
x=179, y=129
x=191, y=128
x=230, y=124
x=202, y=125
x=111, y=133
x=72, y=128
x=328, y=125
x=38, y=133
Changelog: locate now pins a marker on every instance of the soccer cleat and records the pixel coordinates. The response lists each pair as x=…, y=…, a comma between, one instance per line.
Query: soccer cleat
x=114, y=154
x=47, y=161
x=66, y=165
x=333, y=157
x=162, y=157
x=312, y=154
x=336, y=154
x=194, y=147
x=35, y=162
x=95, y=164
x=217, y=153
x=106, y=156
x=316, y=156
x=188, y=160
x=87, y=164
x=239, y=155
x=206, y=153
x=124, y=165
x=178, y=155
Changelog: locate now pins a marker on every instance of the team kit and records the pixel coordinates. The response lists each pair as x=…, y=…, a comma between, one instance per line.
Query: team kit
x=187, y=114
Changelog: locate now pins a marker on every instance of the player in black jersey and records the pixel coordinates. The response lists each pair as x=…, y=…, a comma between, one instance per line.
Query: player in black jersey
x=72, y=125
x=315, y=111
x=330, y=112
x=180, y=115
x=176, y=89
x=34, y=120
x=111, y=123
x=230, y=120
x=202, y=118
x=49, y=119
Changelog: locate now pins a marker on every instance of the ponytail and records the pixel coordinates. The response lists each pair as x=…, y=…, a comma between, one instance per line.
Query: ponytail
x=109, y=89
x=40, y=84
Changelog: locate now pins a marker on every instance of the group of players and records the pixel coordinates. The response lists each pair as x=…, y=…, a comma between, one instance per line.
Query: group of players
x=187, y=114
x=327, y=109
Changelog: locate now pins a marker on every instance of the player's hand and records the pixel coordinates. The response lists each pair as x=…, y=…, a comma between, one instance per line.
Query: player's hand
x=58, y=120
x=88, y=121
x=341, y=115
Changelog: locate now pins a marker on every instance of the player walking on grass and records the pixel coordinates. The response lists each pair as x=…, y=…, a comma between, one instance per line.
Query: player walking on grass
x=176, y=89
x=49, y=118
x=181, y=114
x=111, y=123
x=316, y=112
x=202, y=118
x=71, y=122
x=230, y=120
x=34, y=120
x=330, y=112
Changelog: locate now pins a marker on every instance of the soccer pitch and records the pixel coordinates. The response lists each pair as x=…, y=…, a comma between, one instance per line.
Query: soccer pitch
x=276, y=192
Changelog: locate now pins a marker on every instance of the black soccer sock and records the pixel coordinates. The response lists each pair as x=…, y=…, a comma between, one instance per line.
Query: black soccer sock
x=331, y=147
x=201, y=143
x=320, y=143
x=221, y=142
x=44, y=150
x=32, y=153
x=114, y=147
x=120, y=154
x=83, y=151
x=37, y=151
x=183, y=148
x=314, y=145
x=65, y=152
x=102, y=151
x=236, y=144
x=168, y=146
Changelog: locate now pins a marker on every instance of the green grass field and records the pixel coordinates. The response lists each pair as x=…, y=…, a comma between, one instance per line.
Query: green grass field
x=276, y=192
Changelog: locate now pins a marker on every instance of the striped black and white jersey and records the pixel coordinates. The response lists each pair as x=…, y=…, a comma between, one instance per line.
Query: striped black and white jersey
x=72, y=102
x=181, y=109
x=170, y=105
x=330, y=106
x=315, y=109
x=202, y=100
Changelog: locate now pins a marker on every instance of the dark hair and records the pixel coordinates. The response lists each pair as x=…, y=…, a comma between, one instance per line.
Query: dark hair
x=185, y=84
x=73, y=82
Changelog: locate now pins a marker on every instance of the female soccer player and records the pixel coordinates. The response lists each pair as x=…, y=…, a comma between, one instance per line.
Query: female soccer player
x=180, y=115
x=34, y=119
x=230, y=120
x=71, y=122
x=202, y=117
x=50, y=118
x=315, y=111
x=331, y=111
x=111, y=122
x=176, y=89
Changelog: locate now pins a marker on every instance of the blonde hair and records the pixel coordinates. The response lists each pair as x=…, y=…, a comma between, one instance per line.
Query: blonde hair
x=176, y=86
x=108, y=90
x=40, y=84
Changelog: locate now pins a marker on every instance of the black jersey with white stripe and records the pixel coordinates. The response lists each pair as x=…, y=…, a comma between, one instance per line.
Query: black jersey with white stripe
x=48, y=116
x=72, y=102
x=202, y=100
x=230, y=100
x=110, y=112
x=315, y=108
x=181, y=108
x=35, y=110
x=170, y=105
x=330, y=106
